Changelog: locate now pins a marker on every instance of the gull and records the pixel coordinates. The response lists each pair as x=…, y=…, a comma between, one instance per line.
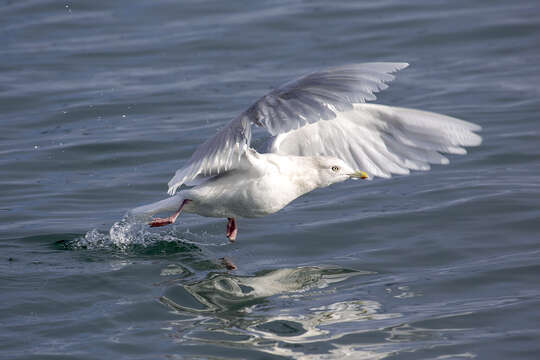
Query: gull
x=322, y=132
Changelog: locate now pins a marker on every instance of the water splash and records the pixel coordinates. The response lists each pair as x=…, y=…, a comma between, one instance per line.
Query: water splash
x=122, y=235
x=130, y=234
x=126, y=232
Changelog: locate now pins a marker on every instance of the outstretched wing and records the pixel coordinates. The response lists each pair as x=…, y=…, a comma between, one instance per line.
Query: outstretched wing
x=311, y=98
x=216, y=155
x=382, y=140
x=319, y=96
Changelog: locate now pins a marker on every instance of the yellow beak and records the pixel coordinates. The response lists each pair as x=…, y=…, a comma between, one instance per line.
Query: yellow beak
x=359, y=175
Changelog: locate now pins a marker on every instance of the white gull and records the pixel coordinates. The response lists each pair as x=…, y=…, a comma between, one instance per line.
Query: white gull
x=322, y=132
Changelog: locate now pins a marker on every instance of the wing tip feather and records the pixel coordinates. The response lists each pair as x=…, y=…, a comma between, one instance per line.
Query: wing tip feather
x=402, y=65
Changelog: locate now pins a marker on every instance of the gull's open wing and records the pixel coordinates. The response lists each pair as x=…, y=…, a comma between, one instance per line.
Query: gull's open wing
x=319, y=96
x=311, y=98
x=382, y=140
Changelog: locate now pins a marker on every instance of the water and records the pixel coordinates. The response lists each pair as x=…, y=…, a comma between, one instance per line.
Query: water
x=100, y=102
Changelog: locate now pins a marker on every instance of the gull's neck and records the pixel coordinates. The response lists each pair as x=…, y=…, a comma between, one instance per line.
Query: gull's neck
x=303, y=171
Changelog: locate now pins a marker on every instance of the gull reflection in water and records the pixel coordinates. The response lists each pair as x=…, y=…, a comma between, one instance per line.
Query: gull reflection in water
x=224, y=291
x=275, y=311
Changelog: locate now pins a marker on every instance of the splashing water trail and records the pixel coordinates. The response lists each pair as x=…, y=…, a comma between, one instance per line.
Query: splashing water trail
x=125, y=234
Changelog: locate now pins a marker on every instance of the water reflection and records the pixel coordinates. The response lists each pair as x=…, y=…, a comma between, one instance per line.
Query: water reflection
x=277, y=312
x=318, y=321
x=225, y=291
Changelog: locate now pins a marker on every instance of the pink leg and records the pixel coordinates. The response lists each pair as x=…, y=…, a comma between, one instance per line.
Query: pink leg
x=229, y=265
x=166, y=221
x=232, y=230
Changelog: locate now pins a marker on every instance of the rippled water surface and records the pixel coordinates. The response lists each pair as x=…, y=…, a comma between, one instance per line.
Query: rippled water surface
x=100, y=102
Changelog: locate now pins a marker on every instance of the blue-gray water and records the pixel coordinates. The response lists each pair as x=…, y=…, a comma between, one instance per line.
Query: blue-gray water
x=101, y=101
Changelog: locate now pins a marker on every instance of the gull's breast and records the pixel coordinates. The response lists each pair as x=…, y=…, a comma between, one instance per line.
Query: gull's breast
x=240, y=196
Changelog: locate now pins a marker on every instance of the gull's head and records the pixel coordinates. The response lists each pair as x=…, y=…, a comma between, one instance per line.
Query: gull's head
x=333, y=170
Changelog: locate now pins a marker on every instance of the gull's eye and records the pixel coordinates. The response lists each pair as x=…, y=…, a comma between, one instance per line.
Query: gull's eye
x=335, y=168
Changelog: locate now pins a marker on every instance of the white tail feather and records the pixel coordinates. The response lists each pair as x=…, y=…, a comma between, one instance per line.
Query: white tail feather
x=170, y=204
